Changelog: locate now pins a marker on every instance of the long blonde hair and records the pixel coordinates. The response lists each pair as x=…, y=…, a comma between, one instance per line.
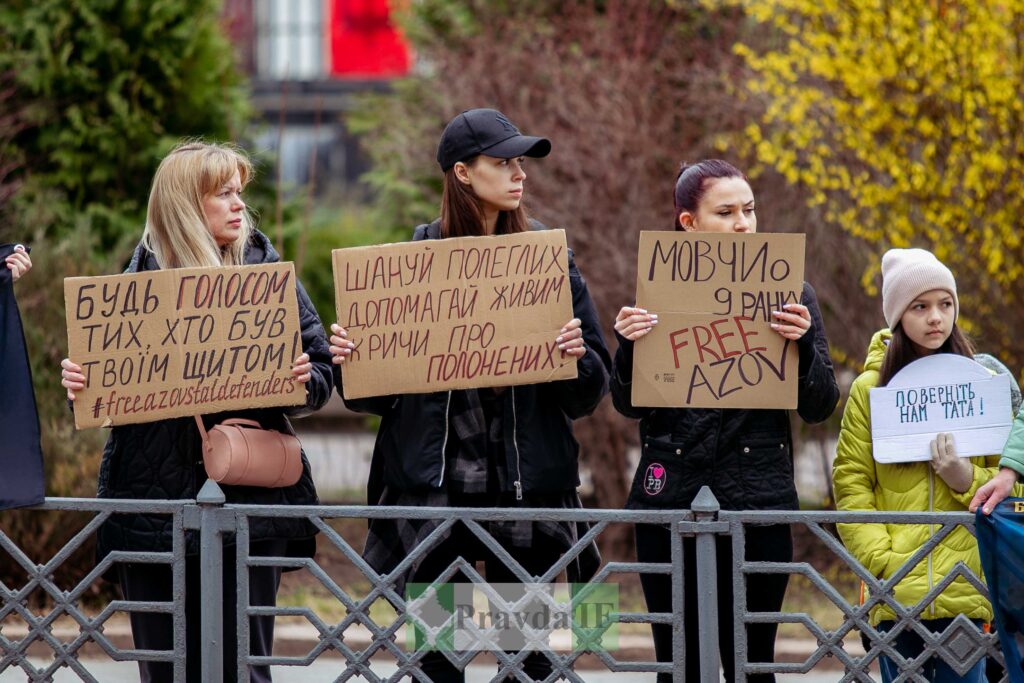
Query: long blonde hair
x=176, y=230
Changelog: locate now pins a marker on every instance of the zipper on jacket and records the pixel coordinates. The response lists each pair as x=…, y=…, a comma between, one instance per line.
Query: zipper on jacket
x=518, y=483
x=444, y=443
x=718, y=433
x=931, y=531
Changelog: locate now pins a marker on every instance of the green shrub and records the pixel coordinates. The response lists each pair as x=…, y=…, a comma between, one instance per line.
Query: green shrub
x=108, y=86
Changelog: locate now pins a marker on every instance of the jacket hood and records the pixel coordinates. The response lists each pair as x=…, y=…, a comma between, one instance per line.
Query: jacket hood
x=260, y=250
x=876, y=350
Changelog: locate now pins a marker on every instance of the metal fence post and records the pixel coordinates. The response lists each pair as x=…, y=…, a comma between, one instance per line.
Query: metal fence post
x=705, y=509
x=211, y=563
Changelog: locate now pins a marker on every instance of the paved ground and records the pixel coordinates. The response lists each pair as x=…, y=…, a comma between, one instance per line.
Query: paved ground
x=327, y=670
x=296, y=640
x=293, y=639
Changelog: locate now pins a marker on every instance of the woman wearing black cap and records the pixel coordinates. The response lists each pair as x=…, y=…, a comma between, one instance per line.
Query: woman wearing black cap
x=744, y=456
x=504, y=447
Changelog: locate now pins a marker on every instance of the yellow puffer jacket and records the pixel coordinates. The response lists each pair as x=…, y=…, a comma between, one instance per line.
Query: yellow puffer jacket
x=862, y=484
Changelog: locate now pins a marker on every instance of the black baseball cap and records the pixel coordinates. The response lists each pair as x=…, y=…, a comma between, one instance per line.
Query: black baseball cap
x=486, y=131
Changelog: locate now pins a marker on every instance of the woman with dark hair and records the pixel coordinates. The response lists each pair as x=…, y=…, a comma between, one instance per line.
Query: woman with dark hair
x=744, y=456
x=920, y=303
x=503, y=447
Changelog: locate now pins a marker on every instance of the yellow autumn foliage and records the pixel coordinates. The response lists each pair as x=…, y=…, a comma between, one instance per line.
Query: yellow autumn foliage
x=904, y=121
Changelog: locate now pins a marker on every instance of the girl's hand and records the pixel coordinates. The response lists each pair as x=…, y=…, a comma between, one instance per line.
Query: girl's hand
x=957, y=472
x=992, y=493
x=341, y=348
x=302, y=369
x=570, y=339
x=71, y=378
x=18, y=263
x=633, y=323
x=793, y=322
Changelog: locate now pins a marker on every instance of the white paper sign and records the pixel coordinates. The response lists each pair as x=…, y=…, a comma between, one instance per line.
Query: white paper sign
x=969, y=402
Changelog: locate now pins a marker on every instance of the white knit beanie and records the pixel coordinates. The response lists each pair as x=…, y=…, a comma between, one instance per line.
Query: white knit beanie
x=906, y=275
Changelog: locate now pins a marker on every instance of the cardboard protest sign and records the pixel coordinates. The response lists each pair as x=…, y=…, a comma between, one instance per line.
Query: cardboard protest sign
x=943, y=392
x=713, y=346
x=184, y=341
x=457, y=313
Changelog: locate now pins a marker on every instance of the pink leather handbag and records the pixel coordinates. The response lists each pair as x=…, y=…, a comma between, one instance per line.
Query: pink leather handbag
x=241, y=453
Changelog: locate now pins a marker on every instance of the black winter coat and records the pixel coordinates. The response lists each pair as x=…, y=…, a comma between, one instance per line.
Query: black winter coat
x=409, y=451
x=163, y=459
x=22, y=482
x=744, y=455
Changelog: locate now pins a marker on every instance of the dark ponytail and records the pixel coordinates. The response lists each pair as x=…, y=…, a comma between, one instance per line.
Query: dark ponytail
x=691, y=183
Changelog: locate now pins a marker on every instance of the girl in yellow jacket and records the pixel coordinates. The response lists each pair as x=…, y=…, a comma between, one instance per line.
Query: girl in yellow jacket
x=920, y=305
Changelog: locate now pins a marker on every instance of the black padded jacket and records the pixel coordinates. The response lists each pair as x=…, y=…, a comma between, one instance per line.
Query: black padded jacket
x=163, y=459
x=409, y=451
x=743, y=455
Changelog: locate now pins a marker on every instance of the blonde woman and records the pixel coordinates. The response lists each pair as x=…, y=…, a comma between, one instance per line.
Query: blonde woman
x=197, y=217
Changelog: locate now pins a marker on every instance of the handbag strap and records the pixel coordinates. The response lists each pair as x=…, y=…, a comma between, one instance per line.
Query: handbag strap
x=241, y=421
x=202, y=430
x=231, y=421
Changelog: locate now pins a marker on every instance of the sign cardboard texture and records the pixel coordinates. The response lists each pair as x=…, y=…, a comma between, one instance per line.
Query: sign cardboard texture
x=183, y=341
x=458, y=313
x=943, y=392
x=713, y=346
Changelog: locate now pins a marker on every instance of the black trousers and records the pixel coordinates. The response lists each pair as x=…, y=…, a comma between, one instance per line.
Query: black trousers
x=764, y=594
x=462, y=542
x=153, y=582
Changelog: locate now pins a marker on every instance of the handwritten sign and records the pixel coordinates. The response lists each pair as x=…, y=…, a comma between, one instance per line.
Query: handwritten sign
x=713, y=346
x=185, y=341
x=943, y=392
x=454, y=314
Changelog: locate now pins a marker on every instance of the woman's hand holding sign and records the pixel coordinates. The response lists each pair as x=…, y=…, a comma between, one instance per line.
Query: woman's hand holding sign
x=794, y=322
x=633, y=323
x=341, y=348
x=302, y=368
x=570, y=339
x=71, y=377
